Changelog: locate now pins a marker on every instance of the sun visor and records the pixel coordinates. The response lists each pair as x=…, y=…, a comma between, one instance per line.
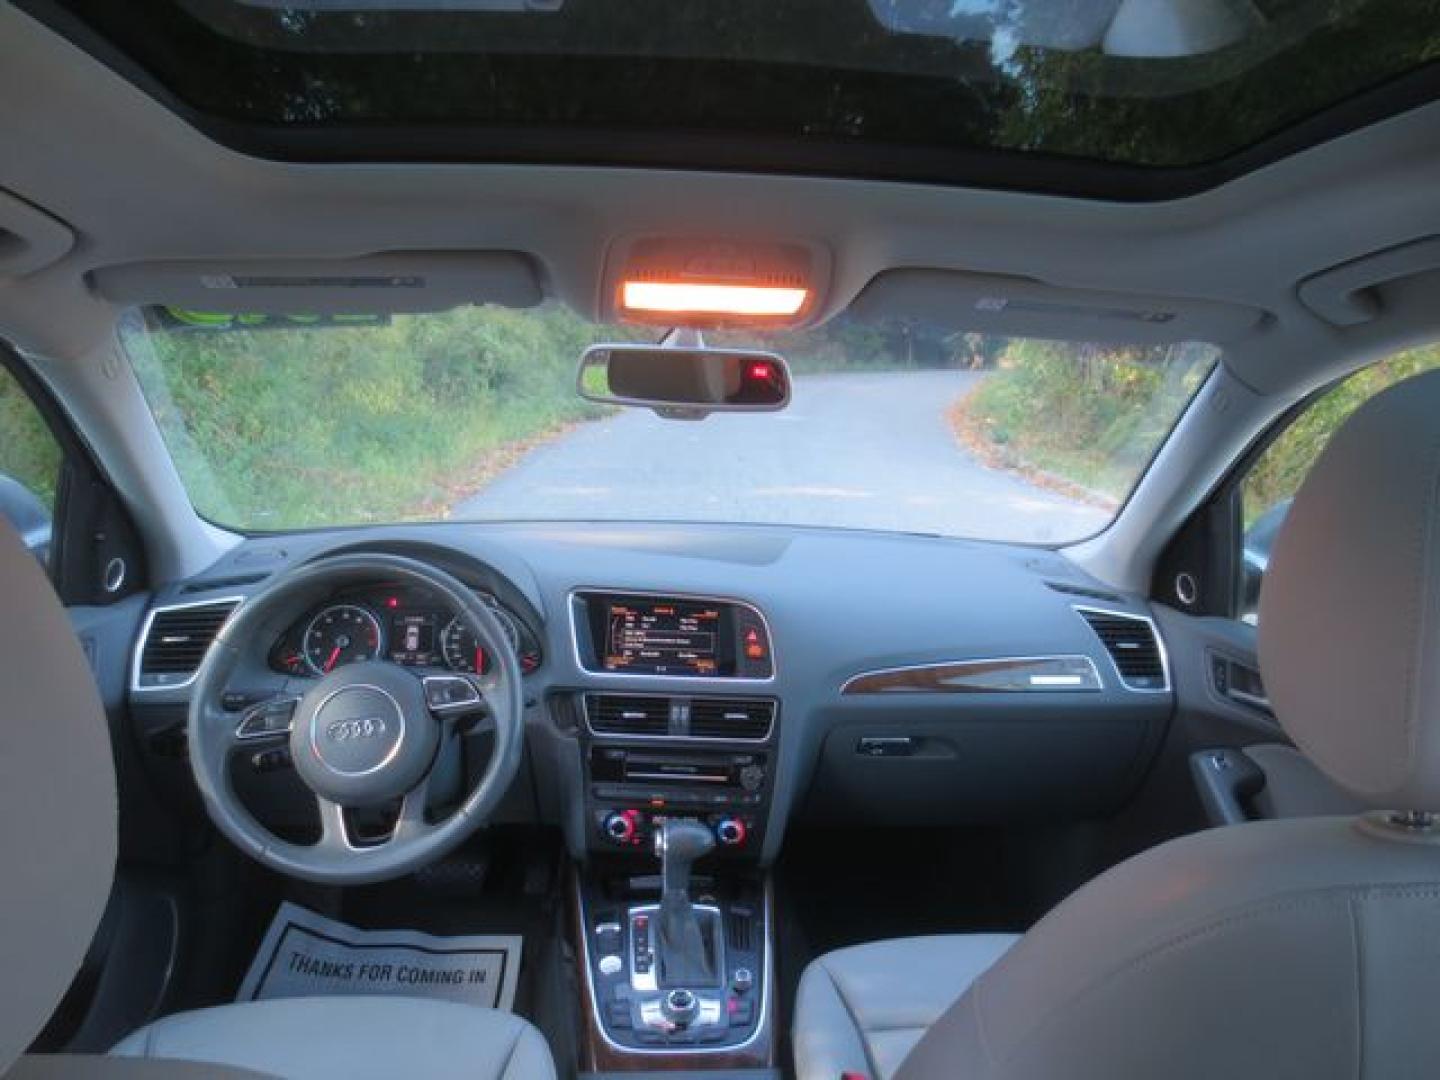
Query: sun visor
x=373, y=283
x=1018, y=307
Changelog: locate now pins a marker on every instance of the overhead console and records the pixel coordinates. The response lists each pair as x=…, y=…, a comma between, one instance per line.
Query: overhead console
x=650, y=635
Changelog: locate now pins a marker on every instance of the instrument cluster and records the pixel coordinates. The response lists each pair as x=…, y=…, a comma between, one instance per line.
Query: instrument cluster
x=401, y=624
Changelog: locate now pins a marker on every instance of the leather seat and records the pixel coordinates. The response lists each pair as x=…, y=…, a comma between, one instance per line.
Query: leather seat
x=356, y=1038
x=863, y=1009
x=1297, y=948
x=58, y=824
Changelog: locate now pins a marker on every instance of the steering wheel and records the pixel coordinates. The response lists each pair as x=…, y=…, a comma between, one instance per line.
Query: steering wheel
x=364, y=735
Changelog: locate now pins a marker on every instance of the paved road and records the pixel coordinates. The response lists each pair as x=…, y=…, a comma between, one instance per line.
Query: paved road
x=864, y=451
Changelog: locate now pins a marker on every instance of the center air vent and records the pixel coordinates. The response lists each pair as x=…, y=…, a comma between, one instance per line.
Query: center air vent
x=1133, y=644
x=731, y=718
x=658, y=716
x=176, y=640
x=628, y=714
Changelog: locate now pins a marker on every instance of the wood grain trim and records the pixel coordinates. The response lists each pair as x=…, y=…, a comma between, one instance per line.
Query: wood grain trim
x=1005, y=675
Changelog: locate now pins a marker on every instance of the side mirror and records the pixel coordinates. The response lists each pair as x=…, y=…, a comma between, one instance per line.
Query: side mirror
x=684, y=383
x=27, y=515
x=1255, y=548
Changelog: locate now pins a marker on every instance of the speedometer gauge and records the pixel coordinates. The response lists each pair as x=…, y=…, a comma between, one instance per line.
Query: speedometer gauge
x=341, y=634
x=464, y=653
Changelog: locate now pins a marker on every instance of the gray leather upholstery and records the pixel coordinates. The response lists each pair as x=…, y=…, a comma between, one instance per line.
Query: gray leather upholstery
x=1300, y=948
x=863, y=1009
x=1350, y=608
x=1282, y=949
x=92, y=1067
x=57, y=801
x=352, y=1038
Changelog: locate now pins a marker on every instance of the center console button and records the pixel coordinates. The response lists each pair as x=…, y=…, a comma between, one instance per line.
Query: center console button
x=741, y=1012
x=611, y=965
x=743, y=980
x=618, y=1013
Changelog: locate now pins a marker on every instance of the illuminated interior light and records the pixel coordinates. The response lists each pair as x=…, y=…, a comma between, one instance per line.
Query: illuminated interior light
x=685, y=297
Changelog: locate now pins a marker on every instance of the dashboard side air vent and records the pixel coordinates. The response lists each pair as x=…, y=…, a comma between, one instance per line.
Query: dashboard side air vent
x=627, y=714
x=1134, y=646
x=731, y=718
x=176, y=639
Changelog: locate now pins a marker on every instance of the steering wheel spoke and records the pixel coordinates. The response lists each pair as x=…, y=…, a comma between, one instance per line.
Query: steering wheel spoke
x=334, y=833
x=411, y=822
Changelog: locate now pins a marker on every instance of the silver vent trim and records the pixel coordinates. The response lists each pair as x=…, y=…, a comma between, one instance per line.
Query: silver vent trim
x=1145, y=620
x=143, y=640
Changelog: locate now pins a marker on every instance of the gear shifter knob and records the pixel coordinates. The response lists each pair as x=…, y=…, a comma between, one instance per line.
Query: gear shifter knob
x=688, y=956
x=679, y=843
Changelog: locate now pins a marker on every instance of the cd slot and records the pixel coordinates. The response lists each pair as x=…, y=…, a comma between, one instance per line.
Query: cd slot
x=648, y=768
x=633, y=774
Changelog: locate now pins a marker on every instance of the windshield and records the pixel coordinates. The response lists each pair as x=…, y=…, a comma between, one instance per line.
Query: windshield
x=472, y=414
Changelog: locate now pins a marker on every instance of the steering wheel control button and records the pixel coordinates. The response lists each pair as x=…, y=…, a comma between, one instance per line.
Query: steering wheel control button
x=268, y=761
x=450, y=692
x=268, y=718
x=743, y=980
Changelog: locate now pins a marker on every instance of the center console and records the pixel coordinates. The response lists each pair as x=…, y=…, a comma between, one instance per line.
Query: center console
x=673, y=920
x=641, y=1005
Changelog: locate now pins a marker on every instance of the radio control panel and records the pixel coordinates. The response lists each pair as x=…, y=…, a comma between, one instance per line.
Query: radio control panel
x=632, y=787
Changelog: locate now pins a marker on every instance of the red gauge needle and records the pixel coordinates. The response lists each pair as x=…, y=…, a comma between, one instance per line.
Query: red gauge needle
x=334, y=655
x=479, y=660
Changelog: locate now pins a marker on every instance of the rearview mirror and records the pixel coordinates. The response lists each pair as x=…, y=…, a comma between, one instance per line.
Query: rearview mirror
x=684, y=383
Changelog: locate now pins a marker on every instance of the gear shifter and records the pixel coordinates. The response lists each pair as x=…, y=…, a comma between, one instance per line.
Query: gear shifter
x=687, y=952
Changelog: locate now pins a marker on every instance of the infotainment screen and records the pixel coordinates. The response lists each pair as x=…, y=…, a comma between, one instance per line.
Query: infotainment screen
x=666, y=637
x=651, y=635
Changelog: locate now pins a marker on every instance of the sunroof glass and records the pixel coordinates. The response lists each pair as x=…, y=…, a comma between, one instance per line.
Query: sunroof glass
x=1149, y=83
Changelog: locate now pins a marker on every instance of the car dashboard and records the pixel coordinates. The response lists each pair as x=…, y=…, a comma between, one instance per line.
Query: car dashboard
x=748, y=676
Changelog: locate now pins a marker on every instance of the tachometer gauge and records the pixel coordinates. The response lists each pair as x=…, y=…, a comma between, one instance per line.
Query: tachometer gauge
x=464, y=653
x=341, y=634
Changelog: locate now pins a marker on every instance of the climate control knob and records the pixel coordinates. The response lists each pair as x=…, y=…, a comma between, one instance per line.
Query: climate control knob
x=620, y=826
x=730, y=831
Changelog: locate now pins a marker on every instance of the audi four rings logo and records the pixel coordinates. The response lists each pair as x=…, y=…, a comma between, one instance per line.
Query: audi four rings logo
x=365, y=727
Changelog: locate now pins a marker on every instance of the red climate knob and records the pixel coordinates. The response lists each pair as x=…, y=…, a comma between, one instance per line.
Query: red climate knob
x=730, y=831
x=620, y=826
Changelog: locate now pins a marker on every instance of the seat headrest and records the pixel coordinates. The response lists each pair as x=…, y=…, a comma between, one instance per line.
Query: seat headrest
x=1350, y=604
x=57, y=801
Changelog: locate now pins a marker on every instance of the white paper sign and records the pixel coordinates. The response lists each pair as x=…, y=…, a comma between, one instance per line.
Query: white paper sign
x=305, y=954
